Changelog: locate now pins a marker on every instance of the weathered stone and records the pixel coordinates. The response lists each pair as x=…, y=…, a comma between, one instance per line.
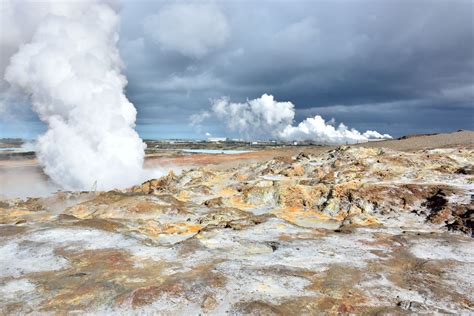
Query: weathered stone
x=350, y=231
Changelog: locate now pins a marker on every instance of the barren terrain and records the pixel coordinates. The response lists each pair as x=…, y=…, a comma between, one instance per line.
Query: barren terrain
x=371, y=228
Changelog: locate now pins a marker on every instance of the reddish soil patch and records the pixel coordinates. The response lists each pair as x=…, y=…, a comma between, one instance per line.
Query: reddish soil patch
x=214, y=159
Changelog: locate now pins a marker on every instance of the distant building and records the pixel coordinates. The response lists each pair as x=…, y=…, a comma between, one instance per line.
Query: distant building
x=216, y=139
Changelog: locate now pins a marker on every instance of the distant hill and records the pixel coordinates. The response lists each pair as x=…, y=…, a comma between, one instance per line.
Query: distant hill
x=427, y=141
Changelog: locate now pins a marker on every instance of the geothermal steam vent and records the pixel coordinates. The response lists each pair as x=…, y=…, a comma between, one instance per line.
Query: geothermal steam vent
x=72, y=70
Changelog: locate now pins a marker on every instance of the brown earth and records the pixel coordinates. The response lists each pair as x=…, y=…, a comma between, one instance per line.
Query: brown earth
x=364, y=230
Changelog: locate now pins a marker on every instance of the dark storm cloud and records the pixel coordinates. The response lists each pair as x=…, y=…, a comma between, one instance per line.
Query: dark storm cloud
x=394, y=66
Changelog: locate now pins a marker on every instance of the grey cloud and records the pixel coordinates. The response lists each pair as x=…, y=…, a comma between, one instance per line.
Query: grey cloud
x=394, y=66
x=191, y=29
x=324, y=55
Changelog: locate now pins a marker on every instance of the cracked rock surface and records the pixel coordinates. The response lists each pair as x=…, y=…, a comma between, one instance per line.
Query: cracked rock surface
x=351, y=230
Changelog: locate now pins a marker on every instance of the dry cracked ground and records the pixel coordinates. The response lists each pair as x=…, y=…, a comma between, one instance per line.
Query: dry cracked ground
x=351, y=230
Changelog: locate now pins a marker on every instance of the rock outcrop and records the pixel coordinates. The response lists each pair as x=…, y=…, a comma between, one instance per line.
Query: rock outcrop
x=353, y=230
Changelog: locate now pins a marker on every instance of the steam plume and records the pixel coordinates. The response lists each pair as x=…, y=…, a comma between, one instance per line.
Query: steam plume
x=266, y=116
x=316, y=129
x=72, y=71
x=263, y=115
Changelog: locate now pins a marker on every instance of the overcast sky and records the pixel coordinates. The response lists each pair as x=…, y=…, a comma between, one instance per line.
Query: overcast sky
x=398, y=67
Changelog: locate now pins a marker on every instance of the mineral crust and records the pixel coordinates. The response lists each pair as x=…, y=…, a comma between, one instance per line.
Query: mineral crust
x=352, y=230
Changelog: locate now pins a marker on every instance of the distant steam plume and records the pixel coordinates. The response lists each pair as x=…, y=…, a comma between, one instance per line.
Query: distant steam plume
x=316, y=129
x=71, y=68
x=265, y=116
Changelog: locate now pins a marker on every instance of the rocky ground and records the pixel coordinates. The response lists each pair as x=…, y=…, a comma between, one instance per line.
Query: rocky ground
x=349, y=230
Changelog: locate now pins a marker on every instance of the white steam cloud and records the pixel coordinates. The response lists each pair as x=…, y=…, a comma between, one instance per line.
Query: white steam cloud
x=71, y=68
x=266, y=116
x=316, y=129
x=259, y=115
